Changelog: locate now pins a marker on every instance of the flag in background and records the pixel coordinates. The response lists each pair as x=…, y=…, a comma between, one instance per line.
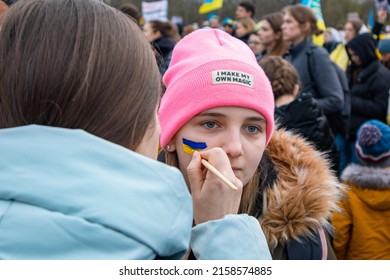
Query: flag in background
x=210, y=5
x=370, y=21
x=315, y=5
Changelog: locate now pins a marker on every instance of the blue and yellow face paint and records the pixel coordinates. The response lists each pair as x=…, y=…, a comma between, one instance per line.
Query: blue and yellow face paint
x=190, y=146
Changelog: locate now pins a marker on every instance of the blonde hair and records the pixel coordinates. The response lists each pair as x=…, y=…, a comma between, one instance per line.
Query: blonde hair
x=248, y=23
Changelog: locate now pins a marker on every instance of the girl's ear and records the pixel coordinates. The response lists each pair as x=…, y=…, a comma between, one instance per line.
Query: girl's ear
x=306, y=27
x=296, y=90
x=170, y=147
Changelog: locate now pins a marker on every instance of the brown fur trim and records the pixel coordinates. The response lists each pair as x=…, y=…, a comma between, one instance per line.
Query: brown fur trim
x=305, y=193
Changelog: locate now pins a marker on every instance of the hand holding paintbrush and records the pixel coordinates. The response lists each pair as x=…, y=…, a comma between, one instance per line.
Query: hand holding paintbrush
x=190, y=146
x=212, y=200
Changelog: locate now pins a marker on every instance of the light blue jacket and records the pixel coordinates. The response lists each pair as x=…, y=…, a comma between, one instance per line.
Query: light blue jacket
x=66, y=194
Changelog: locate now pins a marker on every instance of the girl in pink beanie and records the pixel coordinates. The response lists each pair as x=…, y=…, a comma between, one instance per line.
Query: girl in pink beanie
x=216, y=91
x=219, y=101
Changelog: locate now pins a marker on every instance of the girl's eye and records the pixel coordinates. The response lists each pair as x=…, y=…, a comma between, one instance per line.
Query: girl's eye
x=210, y=124
x=253, y=129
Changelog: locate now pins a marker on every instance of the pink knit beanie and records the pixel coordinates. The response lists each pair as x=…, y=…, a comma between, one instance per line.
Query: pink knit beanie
x=210, y=68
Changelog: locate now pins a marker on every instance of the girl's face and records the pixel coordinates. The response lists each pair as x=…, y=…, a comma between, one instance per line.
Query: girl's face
x=291, y=29
x=240, y=132
x=149, y=33
x=255, y=44
x=266, y=34
x=241, y=30
x=327, y=37
x=149, y=144
x=354, y=57
x=349, y=32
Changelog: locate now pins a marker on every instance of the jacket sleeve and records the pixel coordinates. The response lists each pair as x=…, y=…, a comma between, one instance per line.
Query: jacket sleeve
x=342, y=223
x=234, y=237
x=329, y=90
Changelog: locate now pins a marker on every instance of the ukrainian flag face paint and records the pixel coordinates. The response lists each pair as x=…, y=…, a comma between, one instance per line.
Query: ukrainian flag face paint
x=190, y=146
x=240, y=132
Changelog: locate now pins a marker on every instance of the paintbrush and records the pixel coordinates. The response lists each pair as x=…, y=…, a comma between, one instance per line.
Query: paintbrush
x=190, y=147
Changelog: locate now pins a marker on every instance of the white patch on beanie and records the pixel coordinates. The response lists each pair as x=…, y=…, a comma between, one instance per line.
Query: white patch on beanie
x=232, y=77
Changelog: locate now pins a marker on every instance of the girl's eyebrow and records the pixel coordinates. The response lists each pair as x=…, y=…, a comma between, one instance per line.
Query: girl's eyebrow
x=211, y=114
x=215, y=114
x=257, y=119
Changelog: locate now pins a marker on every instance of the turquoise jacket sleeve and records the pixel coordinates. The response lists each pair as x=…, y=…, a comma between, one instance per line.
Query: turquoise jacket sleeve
x=234, y=237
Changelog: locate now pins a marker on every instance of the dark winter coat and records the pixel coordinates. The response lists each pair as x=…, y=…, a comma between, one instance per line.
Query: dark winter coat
x=163, y=47
x=369, y=84
x=304, y=116
x=326, y=88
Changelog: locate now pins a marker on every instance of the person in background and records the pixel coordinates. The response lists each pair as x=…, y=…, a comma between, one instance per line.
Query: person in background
x=223, y=102
x=227, y=25
x=297, y=111
x=187, y=29
x=317, y=73
x=333, y=43
x=369, y=82
x=379, y=24
x=331, y=39
x=161, y=35
x=245, y=27
x=384, y=49
x=270, y=34
x=78, y=142
x=214, y=22
x=255, y=45
x=298, y=27
x=245, y=9
x=352, y=28
x=133, y=12
x=362, y=229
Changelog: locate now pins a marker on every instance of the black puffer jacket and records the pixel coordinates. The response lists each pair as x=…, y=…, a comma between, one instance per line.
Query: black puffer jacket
x=369, y=84
x=304, y=116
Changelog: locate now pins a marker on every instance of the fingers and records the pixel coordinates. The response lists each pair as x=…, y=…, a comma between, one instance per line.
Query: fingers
x=212, y=198
x=195, y=173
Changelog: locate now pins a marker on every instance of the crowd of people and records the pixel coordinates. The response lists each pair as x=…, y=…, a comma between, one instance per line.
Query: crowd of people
x=98, y=107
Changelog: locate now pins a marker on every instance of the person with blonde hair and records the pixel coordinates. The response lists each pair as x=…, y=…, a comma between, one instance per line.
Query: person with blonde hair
x=245, y=27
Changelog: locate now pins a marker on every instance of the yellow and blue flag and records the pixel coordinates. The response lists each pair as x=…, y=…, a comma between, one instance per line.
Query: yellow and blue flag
x=210, y=5
x=315, y=5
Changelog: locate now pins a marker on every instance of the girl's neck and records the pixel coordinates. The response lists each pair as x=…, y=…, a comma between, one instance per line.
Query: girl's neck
x=284, y=99
x=270, y=48
x=298, y=40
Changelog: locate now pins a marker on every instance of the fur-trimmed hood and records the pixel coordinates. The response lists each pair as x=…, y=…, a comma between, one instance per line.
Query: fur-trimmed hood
x=372, y=185
x=304, y=193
